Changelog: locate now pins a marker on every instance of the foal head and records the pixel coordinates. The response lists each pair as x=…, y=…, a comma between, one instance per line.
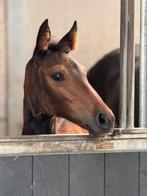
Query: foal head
x=56, y=85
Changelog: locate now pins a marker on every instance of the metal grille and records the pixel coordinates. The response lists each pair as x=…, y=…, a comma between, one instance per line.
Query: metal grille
x=127, y=65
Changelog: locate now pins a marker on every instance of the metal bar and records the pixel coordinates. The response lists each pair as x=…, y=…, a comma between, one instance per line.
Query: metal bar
x=16, y=59
x=130, y=65
x=143, y=66
x=133, y=132
x=123, y=62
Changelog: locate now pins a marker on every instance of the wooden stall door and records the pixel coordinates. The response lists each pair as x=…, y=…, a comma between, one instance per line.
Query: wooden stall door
x=118, y=174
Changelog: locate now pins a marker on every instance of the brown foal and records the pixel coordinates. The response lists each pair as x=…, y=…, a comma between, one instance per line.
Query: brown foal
x=57, y=86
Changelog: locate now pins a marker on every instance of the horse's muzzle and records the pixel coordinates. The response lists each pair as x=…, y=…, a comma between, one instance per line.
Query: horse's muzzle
x=104, y=122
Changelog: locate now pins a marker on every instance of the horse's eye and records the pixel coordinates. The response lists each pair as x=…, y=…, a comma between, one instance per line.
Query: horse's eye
x=58, y=76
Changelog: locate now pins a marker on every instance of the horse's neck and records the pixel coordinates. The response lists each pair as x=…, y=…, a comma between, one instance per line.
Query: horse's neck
x=37, y=125
x=35, y=122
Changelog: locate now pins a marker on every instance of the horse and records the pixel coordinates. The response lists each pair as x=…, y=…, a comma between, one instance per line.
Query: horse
x=64, y=126
x=56, y=86
x=104, y=76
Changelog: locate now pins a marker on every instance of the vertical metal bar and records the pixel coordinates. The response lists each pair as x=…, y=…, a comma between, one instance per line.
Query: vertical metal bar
x=130, y=65
x=16, y=59
x=143, y=66
x=123, y=62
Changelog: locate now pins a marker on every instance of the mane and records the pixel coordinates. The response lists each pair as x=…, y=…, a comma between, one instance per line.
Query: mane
x=53, y=44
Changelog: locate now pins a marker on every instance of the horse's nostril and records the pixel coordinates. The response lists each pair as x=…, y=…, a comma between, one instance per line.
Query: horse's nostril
x=102, y=120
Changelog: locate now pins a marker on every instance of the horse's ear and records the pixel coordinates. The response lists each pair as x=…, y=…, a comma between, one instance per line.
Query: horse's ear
x=69, y=41
x=43, y=37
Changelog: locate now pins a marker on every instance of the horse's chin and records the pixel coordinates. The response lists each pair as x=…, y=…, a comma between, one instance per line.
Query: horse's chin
x=99, y=132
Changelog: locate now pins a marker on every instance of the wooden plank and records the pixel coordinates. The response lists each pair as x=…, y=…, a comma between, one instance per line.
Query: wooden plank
x=70, y=144
x=50, y=175
x=16, y=61
x=121, y=174
x=87, y=175
x=2, y=70
x=143, y=174
x=16, y=176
